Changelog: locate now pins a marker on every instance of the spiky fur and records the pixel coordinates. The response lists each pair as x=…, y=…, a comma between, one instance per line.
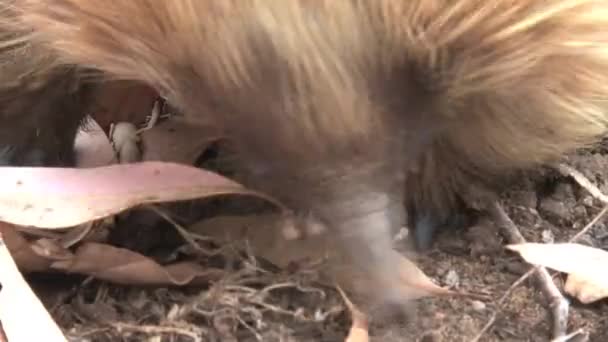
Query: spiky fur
x=338, y=97
x=516, y=83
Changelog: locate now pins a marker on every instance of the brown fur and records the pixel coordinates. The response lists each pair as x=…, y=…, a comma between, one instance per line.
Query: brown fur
x=42, y=103
x=516, y=83
x=329, y=99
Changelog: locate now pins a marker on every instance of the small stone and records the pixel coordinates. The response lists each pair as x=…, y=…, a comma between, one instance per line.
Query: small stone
x=580, y=211
x=401, y=235
x=483, y=239
x=478, y=305
x=432, y=336
x=525, y=198
x=554, y=209
x=547, y=236
x=289, y=230
x=563, y=192
x=588, y=201
x=315, y=227
x=451, y=279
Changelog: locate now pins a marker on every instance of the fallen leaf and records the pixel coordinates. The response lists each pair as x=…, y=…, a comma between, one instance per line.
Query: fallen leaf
x=21, y=250
x=51, y=249
x=122, y=266
x=66, y=197
x=94, y=231
x=359, y=330
x=22, y=315
x=585, y=290
x=177, y=140
x=585, y=266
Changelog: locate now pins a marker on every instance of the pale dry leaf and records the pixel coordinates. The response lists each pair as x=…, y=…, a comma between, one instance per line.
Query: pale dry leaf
x=585, y=266
x=66, y=197
x=22, y=315
x=92, y=147
x=122, y=266
x=76, y=234
x=359, y=330
x=177, y=140
x=586, y=291
x=51, y=249
x=21, y=250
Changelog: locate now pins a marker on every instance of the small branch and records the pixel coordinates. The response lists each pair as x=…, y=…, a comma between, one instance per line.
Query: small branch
x=567, y=170
x=558, y=304
x=590, y=224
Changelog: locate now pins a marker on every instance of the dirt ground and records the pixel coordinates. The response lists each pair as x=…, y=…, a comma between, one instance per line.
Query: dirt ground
x=264, y=303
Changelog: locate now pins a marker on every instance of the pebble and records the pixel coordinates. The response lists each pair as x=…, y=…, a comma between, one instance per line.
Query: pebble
x=478, y=305
x=547, y=236
x=451, y=279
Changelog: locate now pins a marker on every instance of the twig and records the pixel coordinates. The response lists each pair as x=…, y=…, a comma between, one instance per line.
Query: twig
x=182, y=231
x=558, y=304
x=193, y=332
x=360, y=324
x=535, y=268
x=590, y=224
x=152, y=119
x=579, y=335
x=567, y=170
x=485, y=327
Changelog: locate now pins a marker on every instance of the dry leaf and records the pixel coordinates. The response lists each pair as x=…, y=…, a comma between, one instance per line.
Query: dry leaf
x=359, y=330
x=92, y=231
x=65, y=197
x=21, y=250
x=51, y=249
x=177, y=140
x=102, y=261
x=92, y=147
x=585, y=266
x=586, y=291
x=22, y=315
x=122, y=266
